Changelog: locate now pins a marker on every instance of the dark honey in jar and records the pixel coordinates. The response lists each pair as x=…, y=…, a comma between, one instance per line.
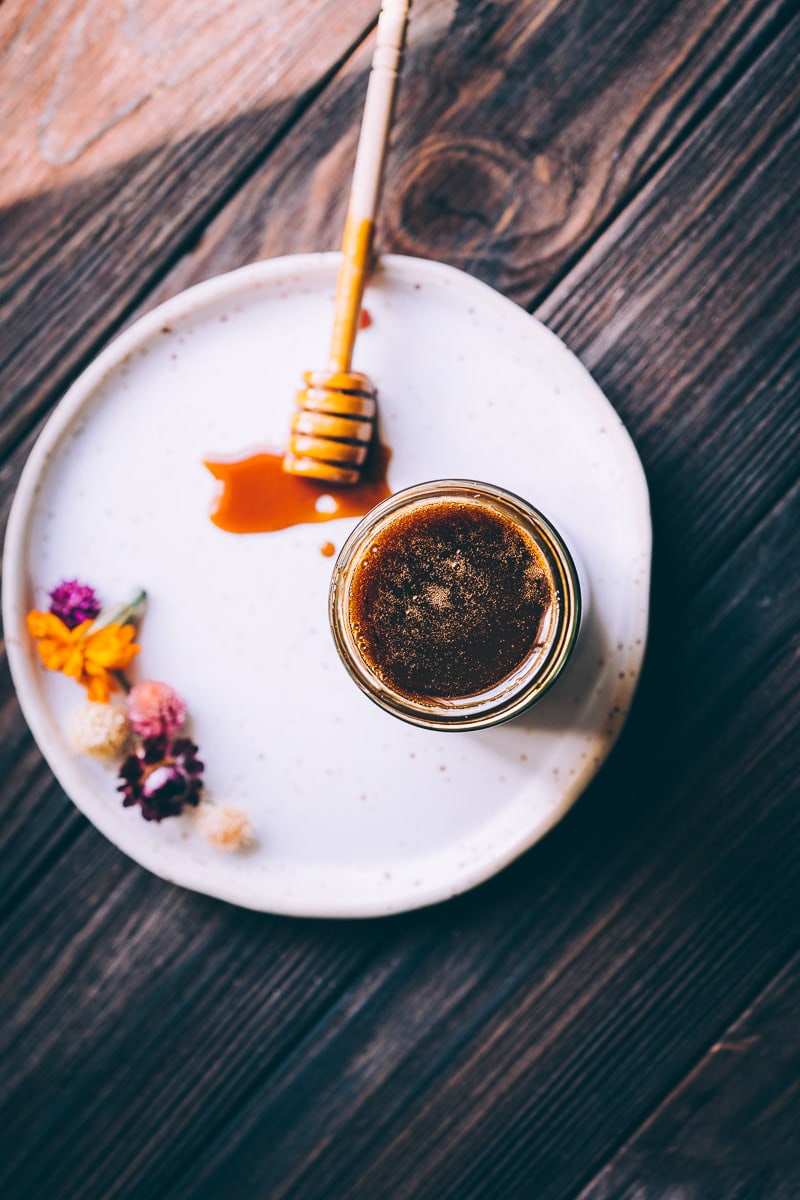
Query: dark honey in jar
x=454, y=604
x=449, y=599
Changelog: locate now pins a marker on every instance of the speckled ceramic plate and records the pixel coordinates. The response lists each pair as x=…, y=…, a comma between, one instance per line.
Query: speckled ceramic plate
x=356, y=813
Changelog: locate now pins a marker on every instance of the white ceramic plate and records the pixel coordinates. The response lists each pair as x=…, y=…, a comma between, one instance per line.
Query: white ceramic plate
x=357, y=814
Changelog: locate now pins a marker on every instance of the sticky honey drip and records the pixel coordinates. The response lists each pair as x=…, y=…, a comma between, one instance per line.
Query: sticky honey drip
x=256, y=495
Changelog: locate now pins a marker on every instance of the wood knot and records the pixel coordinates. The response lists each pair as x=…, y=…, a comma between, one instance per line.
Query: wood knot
x=457, y=194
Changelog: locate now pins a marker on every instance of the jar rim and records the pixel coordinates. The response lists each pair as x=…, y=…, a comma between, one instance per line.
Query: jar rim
x=536, y=673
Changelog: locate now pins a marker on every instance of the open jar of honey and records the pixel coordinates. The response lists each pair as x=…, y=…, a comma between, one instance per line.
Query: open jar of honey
x=454, y=604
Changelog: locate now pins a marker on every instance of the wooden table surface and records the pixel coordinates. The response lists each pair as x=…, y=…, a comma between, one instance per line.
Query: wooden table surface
x=616, y=1014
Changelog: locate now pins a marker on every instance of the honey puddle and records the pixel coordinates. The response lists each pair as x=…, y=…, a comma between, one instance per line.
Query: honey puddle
x=256, y=495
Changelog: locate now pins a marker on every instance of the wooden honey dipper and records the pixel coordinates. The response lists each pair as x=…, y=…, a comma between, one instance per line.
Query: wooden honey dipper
x=334, y=424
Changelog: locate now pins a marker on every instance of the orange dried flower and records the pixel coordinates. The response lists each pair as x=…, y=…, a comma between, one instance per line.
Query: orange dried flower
x=87, y=656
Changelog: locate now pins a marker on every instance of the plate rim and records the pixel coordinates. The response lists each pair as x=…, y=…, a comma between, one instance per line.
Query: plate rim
x=14, y=602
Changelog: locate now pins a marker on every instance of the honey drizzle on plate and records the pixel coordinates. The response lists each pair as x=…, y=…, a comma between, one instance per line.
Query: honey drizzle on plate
x=257, y=496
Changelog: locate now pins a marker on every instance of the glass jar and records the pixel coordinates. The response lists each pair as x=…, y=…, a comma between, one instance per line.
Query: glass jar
x=454, y=604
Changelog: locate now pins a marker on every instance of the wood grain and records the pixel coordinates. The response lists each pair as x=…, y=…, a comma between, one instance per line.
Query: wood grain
x=86, y=251
x=695, y=328
x=730, y=1128
x=428, y=1004
x=602, y=957
x=575, y=108
x=116, y=166
x=599, y=966
x=87, y=85
x=553, y=1031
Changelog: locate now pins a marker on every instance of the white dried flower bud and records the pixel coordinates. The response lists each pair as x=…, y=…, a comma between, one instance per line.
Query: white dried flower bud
x=101, y=730
x=225, y=826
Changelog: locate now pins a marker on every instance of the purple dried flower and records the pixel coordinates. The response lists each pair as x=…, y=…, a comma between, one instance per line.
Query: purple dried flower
x=162, y=777
x=74, y=602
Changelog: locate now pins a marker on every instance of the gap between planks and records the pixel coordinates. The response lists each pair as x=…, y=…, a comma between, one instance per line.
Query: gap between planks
x=616, y=1153
x=11, y=438
x=36, y=417
x=763, y=41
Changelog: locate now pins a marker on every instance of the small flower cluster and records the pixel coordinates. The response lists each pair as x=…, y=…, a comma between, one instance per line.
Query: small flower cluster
x=72, y=637
x=160, y=772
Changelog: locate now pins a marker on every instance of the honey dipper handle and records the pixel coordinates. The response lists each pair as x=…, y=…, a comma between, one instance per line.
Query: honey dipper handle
x=367, y=178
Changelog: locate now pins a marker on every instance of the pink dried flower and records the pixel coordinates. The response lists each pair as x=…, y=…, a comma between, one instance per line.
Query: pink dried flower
x=162, y=777
x=74, y=602
x=155, y=709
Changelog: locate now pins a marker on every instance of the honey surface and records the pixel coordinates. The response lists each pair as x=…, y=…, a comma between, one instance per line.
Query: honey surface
x=448, y=600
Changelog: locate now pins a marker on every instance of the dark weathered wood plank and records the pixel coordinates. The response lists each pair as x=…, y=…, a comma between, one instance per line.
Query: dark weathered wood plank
x=692, y=331
x=37, y=822
x=103, y=174
x=689, y=328
x=598, y=965
x=126, y=131
x=464, y=954
x=538, y=1019
x=88, y=1041
x=730, y=1129
x=520, y=131
x=726, y=628
x=229, y=242
x=502, y=1045
x=647, y=344
x=571, y=109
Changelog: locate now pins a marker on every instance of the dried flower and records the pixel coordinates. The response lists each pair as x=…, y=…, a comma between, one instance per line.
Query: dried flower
x=74, y=602
x=155, y=709
x=225, y=826
x=162, y=776
x=86, y=654
x=101, y=730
